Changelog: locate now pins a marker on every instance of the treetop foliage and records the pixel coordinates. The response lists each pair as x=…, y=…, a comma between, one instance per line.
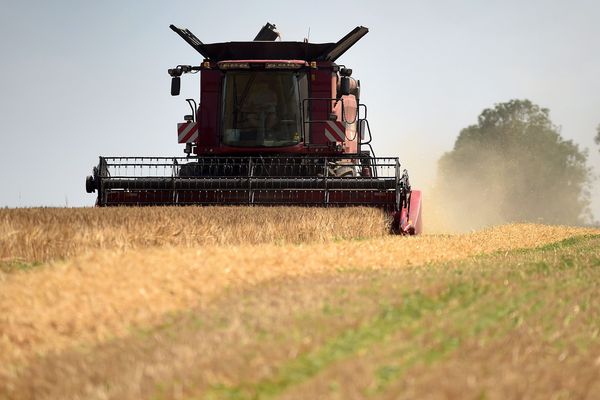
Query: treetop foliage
x=513, y=165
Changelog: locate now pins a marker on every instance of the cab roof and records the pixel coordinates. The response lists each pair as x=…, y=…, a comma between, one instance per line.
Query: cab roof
x=272, y=50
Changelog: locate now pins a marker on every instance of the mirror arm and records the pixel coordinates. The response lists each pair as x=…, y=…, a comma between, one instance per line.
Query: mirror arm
x=176, y=73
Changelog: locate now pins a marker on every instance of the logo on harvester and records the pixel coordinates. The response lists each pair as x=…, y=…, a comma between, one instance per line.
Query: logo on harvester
x=187, y=132
x=335, y=131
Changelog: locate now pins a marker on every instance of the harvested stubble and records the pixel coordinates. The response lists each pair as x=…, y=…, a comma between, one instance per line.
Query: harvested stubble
x=44, y=234
x=103, y=294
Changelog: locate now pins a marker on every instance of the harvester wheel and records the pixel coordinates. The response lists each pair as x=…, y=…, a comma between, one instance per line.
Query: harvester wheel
x=90, y=184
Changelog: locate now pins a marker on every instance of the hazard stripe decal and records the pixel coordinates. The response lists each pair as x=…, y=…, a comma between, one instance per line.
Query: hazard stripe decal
x=335, y=131
x=187, y=132
x=330, y=136
x=191, y=136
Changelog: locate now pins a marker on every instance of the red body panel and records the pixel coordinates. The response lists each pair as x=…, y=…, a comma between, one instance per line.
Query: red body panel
x=296, y=149
x=383, y=200
x=209, y=108
x=409, y=220
x=297, y=62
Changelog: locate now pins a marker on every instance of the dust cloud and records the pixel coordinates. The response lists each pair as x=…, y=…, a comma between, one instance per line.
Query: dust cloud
x=496, y=187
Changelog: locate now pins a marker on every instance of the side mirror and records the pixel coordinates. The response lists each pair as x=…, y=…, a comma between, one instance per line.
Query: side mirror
x=344, y=89
x=175, y=86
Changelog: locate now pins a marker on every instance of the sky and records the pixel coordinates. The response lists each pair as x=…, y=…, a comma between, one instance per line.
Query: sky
x=82, y=79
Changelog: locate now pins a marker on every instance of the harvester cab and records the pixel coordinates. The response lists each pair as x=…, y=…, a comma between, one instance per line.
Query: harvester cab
x=277, y=123
x=270, y=97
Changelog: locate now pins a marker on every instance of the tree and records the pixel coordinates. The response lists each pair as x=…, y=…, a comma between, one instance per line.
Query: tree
x=597, y=138
x=513, y=165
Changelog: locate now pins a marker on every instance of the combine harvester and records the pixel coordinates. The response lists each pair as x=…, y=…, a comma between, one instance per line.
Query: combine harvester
x=278, y=123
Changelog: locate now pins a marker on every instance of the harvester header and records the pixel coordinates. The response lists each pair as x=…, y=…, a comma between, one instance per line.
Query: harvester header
x=276, y=123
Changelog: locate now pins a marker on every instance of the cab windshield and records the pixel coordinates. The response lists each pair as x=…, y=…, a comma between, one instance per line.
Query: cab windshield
x=262, y=108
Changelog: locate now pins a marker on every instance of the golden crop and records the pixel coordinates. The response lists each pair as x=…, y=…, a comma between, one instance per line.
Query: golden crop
x=43, y=234
x=106, y=271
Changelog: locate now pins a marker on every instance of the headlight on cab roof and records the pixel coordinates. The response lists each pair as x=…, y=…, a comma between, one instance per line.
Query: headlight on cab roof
x=233, y=65
x=282, y=65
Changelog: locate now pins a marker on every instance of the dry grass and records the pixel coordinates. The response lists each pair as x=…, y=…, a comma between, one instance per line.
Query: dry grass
x=522, y=324
x=105, y=272
x=510, y=326
x=100, y=295
x=44, y=234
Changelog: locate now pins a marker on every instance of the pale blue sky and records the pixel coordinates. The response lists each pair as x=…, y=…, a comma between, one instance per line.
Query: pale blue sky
x=87, y=78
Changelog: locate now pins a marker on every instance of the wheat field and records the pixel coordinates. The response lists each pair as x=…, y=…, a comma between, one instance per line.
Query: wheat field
x=44, y=234
x=77, y=282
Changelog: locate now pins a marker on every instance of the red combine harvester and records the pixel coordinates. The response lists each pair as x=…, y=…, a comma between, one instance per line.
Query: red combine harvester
x=278, y=123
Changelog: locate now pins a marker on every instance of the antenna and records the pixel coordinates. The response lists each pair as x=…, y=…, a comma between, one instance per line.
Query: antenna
x=307, y=38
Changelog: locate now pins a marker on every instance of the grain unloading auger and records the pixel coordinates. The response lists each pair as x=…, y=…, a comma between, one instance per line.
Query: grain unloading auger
x=278, y=123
